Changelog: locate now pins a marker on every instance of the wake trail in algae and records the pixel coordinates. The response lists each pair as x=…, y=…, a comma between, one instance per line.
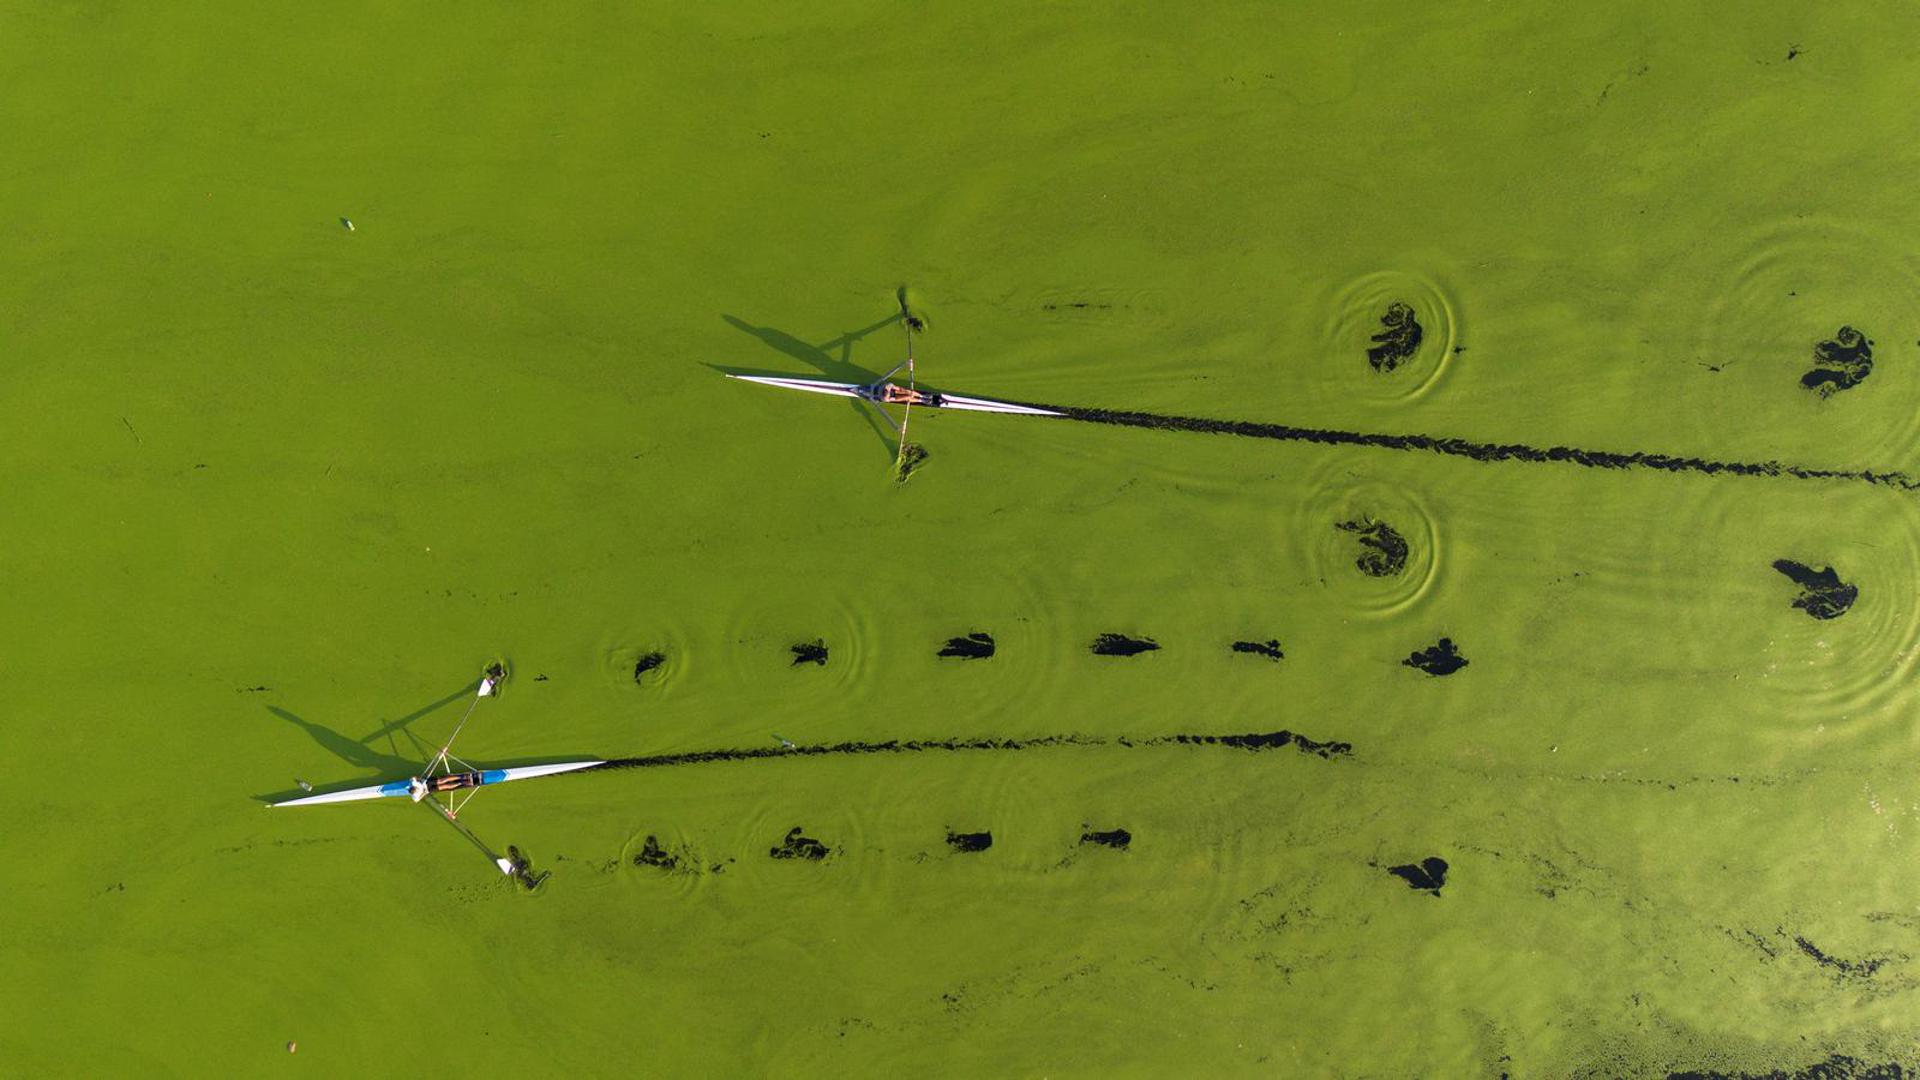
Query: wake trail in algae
x=1481, y=451
x=1251, y=742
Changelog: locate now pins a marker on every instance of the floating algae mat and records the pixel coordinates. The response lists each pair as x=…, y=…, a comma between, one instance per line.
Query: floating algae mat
x=1464, y=625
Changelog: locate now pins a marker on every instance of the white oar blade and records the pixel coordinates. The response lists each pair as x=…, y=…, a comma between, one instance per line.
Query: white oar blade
x=812, y=386
x=973, y=404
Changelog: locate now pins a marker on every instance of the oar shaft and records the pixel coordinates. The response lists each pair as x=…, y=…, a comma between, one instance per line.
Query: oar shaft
x=441, y=758
x=906, y=415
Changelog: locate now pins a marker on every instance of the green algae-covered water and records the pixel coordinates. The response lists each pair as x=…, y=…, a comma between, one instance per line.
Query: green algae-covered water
x=275, y=491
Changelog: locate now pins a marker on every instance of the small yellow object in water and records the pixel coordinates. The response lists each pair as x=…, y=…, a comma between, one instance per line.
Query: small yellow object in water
x=292, y=1046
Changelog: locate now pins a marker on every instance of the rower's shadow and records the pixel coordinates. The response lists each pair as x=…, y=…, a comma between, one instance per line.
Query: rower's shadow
x=821, y=357
x=362, y=753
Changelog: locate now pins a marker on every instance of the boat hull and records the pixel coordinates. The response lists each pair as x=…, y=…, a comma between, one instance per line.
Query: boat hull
x=812, y=386
x=956, y=402
x=973, y=404
x=398, y=788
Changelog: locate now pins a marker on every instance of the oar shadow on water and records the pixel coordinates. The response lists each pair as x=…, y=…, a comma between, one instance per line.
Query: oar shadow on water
x=820, y=357
x=387, y=729
x=361, y=753
x=357, y=754
x=354, y=752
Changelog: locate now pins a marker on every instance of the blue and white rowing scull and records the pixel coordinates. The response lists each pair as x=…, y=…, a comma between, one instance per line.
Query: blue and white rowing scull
x=438, y=781
x=419, y=787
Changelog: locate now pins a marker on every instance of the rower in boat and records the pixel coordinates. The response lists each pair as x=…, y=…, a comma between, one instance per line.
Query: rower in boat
x=887, y=393
x=419, y=787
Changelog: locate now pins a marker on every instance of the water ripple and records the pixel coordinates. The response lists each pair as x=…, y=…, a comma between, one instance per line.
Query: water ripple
x=1765, y=304
x=1389, y=336
x=1845, y=674
x=1371, y=540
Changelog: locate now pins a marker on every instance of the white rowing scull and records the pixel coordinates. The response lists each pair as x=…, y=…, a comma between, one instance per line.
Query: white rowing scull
x=888, y=393
x=883, y=392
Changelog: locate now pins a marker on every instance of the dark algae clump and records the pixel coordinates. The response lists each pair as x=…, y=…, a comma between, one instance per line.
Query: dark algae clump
x=652, y=854
x=1822, y=594
x=650, y=662
x=1835, y=1067
x=1122, y=645
x=1840, y=363
x=796, y=846
x=1269, y=648
x=969, y=841
x=1398, y=339
x=520, y=869
x=975, y=646
x=1441, y=659
x=912, y=456
x=1429, y=874
x=1856, y=968
x=810, y=652
x=1383, y=551
x=1117, y=839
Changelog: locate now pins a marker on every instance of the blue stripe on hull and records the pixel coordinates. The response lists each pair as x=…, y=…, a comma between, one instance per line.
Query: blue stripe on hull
x=493, y=776
x=398, y=787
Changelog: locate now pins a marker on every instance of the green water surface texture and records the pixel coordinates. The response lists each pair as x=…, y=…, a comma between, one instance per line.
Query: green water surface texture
x=274, y=491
